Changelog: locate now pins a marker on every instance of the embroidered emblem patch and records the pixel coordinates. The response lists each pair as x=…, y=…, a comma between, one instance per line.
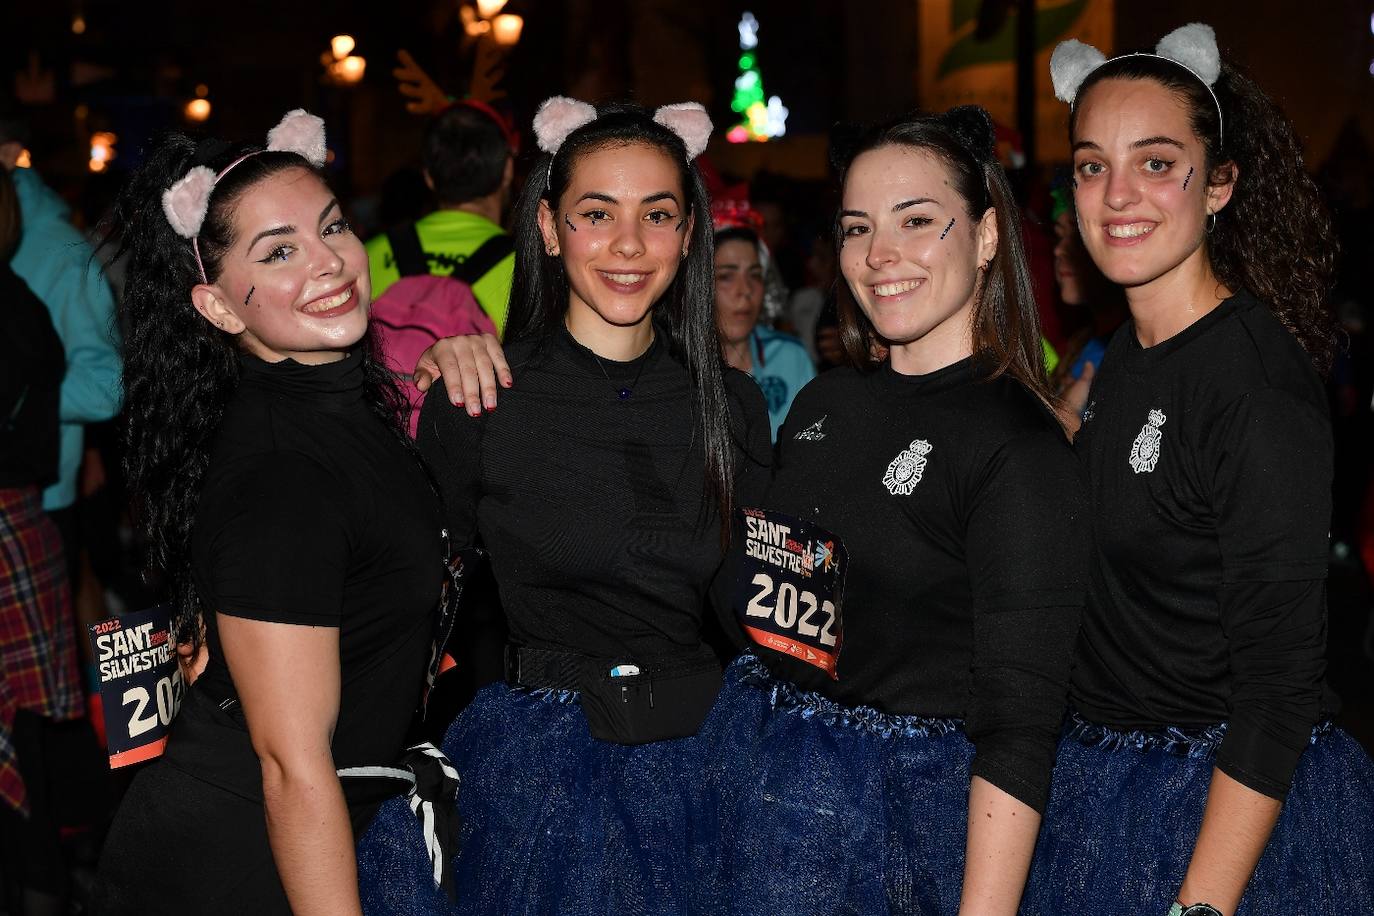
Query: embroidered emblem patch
x=813, y=432
x=906, y=469
x=1145, y=449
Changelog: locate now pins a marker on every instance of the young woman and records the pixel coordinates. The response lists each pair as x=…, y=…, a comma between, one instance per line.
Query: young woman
x=600, y=489
x=921, y=750
x=778, y=362
x=1200, y=773
x=285, y=511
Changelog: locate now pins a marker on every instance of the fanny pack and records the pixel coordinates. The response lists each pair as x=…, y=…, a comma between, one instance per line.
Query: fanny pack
x=625, y=701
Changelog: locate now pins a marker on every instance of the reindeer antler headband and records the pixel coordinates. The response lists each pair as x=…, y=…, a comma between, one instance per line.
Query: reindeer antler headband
x=559, y=116
x=1192, y=47
x=186, y=202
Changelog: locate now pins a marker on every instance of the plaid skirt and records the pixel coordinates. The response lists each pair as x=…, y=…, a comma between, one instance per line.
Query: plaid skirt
x=38, y=666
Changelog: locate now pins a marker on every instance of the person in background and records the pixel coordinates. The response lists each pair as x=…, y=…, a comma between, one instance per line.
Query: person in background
x=778, y=362
x=468, y=156
x=1081, y=286
x=806, y=304
x=57, y=264
x=39, y=682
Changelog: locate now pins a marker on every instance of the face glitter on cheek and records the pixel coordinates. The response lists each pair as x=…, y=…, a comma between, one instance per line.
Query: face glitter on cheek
x=568, y=220
x=947, y=228
x=1187, y=178
x=251, y=290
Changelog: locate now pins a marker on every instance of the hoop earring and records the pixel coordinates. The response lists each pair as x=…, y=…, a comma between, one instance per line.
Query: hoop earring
x=1211, y=221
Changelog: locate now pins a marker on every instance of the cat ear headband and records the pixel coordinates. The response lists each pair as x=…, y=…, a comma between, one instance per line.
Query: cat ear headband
x=1192, y=47
x=559, y=116
x=186, y=202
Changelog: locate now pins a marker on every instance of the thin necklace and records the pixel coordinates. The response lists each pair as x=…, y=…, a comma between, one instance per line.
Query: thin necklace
x=623, y=392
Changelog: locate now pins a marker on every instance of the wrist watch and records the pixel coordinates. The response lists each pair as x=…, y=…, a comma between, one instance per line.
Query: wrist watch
x=1196, y=909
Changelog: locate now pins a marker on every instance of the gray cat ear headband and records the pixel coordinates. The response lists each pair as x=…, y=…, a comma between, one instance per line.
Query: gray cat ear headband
x=1192, y=47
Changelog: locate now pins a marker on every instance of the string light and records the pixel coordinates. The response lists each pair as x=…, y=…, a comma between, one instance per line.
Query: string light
x=764, y=117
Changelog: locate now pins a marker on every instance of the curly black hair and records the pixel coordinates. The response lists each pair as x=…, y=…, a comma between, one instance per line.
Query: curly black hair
x=179, y=370
x=1275, y=237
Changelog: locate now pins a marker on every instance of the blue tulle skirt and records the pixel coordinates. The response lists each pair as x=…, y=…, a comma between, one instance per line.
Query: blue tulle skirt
x=1125, y=809
x=553, y=820
x=826, y=809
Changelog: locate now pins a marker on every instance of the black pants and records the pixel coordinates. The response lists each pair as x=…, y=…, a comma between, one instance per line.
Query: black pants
x=180, y=845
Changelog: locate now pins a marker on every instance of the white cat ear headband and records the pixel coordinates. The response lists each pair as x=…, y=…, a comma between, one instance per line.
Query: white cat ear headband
x=1192, y=47
x=559, y=116
x=186, y=202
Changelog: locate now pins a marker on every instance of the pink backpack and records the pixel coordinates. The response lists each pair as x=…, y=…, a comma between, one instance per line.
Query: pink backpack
x=419, y=309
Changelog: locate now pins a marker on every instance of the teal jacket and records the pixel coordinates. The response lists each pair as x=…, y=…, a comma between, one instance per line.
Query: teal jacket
x=56, y=261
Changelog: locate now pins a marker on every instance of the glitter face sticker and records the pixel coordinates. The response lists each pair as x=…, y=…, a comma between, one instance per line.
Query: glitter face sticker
x=251, y=290
x=947, y=228
x=1187, y=178
x=568, y=220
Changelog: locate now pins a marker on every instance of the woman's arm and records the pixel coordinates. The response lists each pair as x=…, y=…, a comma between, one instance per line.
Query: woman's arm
x=1001, y=839
x=1235, y=828
x=287, y=678
x=470, y=367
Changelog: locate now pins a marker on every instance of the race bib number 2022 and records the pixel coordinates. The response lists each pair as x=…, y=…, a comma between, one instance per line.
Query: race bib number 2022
x=789, y=587
x=140, y=683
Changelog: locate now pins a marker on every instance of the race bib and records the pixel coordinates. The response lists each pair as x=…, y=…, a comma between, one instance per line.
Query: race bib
x=789, y=587
x=140, y=683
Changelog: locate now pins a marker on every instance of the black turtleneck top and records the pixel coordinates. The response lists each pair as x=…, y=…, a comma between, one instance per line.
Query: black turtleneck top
x=313, y=513
x=962, y=509
x=603, y=537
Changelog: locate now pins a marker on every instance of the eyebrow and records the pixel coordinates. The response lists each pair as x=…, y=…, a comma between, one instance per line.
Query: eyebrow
x=267, y=233
x=606, y=198
x=896, y=208
x=1156, y=141
x=288, y=230
x=1139, y=144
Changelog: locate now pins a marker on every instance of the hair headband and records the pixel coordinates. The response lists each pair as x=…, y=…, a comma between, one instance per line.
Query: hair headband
x=1192, y=47
x=186, y=202
x=559, y=116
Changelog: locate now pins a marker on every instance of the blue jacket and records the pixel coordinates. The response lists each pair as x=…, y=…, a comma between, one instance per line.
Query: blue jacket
x=782, y=367
x=57, y=264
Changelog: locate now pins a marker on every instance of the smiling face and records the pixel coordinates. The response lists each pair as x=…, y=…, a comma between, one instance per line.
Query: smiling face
x=1142, y=194
x=739, y=289
x=913, y=273
x=621, y=228
x=294, y=281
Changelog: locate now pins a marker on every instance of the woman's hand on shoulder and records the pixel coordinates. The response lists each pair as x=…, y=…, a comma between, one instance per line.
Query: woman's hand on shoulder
x=471, y=368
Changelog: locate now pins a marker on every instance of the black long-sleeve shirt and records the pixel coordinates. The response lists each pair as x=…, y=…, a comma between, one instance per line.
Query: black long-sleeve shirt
x=966, y=577
x=603, y=537
x=1209, y=458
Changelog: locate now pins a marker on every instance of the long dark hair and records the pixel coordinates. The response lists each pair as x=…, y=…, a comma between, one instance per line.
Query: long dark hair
x=179, y=370
x=1006, y=324
x=540, y=294
x=1274, y=238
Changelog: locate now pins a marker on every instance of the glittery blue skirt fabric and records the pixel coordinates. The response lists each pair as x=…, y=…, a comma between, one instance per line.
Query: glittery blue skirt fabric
x=1125, y=808
x=827, y=809
x=553, y=820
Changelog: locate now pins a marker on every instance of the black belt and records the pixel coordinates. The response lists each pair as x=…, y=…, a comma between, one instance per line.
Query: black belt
x=534, y=668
